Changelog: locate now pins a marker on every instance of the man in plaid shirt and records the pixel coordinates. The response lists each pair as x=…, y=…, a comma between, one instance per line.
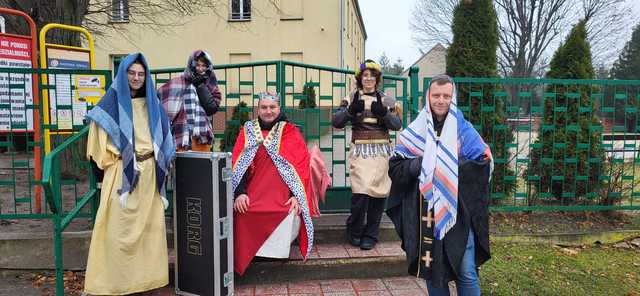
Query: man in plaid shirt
x=189, y=100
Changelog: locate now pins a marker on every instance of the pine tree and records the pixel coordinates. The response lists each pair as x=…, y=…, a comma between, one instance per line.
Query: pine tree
x=628, y=67
x=309, y=93
x=232, y=129
x=473, y=54
x=628, y=64
x=475, y=40
x=566, y=161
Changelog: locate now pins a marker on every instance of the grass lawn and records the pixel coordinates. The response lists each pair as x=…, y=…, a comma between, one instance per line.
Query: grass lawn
x=534, y=269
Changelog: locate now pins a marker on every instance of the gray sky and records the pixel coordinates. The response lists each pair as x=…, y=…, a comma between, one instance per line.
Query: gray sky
x=387, y=25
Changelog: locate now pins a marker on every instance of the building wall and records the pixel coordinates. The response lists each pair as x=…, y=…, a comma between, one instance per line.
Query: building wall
x=307, y=30
x=432, y=63
x=354, y=36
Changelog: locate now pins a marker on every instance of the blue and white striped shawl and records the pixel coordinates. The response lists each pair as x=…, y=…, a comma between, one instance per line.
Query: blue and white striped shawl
x=438, y=179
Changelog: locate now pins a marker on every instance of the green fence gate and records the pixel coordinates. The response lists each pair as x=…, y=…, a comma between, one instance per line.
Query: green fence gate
x=309, y=96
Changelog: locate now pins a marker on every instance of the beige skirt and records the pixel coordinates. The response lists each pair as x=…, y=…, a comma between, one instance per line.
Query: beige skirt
x=369, y=175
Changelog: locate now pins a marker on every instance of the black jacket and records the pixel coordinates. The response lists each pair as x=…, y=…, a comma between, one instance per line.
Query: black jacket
x=403, y=207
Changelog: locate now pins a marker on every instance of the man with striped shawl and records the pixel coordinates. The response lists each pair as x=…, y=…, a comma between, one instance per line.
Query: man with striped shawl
x=439, y=194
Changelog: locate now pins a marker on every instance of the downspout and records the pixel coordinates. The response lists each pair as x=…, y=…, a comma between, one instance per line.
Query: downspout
x=341, y=57
x=341, y=54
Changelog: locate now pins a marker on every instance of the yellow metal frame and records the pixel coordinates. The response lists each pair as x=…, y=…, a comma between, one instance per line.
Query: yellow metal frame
x=43, y=64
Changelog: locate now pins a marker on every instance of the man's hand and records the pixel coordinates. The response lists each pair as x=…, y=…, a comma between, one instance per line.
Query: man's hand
x=241, y=204
x=295, y=207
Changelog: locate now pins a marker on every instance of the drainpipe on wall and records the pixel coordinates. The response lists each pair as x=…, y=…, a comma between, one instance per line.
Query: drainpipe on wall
x=341, y=55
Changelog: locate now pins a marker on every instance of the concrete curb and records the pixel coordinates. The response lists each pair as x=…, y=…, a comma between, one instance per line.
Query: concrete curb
x=569, y=239
x=35, y=250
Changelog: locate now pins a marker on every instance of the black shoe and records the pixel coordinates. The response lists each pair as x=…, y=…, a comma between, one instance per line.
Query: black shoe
x=354, y=241
x=367, y=244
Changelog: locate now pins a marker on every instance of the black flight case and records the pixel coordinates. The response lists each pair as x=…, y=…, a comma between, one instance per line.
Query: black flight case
x=203, y=224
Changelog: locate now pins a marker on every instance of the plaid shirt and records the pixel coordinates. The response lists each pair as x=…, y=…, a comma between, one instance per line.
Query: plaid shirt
x=188, y=119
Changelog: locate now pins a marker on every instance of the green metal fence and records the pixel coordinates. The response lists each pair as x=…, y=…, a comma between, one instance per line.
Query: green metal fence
x=298, y=84
x=22, y=118
x=550, y=174
x=54, y=185
x=558, y=144
x=17, y=182
x=66, y=186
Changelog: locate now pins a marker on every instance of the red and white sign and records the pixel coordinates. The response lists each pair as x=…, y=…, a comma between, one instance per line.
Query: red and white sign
x=13, y=48
x=15, y=88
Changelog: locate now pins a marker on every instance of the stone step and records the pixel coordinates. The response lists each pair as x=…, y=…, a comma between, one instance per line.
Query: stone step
x=331, y=229
x=326, y=262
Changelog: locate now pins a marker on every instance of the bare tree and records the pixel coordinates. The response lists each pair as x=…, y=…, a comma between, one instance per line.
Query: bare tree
x=44, y=12
x=431, y=22
x=607, y=22
x=530, y=29
x=98, y=15
x=527, y=27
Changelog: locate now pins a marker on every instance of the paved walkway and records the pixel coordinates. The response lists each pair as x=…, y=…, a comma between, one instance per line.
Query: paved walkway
x=396, y=286
x=393, y=286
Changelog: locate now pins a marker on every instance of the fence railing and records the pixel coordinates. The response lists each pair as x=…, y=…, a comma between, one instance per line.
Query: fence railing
x=53, y=183
x=28, y=127
x=557, y=144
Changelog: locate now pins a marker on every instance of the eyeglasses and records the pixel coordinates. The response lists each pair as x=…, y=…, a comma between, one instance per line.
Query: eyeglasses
x=134, y=73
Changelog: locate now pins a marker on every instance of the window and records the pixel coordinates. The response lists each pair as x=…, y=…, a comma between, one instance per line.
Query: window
x=119, y=10
x=115, y=62
x=240, y=10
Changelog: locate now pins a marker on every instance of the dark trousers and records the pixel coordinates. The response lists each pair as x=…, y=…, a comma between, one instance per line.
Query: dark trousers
x=363, y=205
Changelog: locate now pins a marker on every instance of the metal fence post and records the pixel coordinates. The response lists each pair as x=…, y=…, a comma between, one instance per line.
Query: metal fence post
x=57, y=250
x=281, y=77
x=414, y=95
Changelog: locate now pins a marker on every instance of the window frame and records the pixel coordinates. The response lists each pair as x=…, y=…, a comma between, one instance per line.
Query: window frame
x=241, y=15
x=119, y=14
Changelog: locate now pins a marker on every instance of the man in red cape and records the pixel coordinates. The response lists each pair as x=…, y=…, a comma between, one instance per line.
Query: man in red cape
x=271, y=187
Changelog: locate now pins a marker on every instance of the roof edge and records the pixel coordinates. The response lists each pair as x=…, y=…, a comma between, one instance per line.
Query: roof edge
x=364, y=31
